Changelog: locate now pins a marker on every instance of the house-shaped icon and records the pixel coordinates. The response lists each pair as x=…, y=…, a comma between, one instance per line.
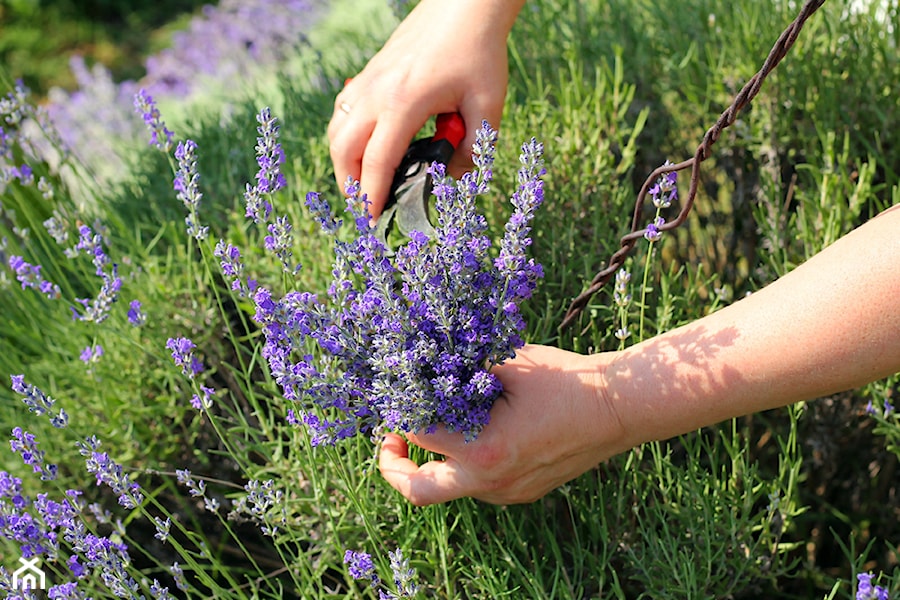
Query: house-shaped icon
x=29, y=576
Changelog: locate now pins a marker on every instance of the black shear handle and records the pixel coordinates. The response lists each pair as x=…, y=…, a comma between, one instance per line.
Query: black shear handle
x=407, y=204
x=449, y=132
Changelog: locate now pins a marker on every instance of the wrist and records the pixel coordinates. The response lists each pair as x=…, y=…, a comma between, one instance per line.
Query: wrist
x=646, y=387
x=614, y=427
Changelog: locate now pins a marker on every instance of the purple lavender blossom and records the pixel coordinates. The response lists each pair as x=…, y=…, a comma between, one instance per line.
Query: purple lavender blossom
x=14, y=106
x=37, y=401
x=135, y=315
x=7, y=143
x=258, y=208
x=24, y=174
x=269, y=155
x=404, y=576
x=866, y=591
x=97, y=309
x=34, y=532
x=269, y=179
x=110, y=560
x=178, y=575
x=110, y=473
x=187, y=177
x=91, y=354
x=183, y=354
x=66, y=591
x=263, y=503
x=197, y=489
x=233, y=268
x=187, y=187
x=160, y=592
x=230, y=257
x=664, y=191
x=230, y=41
x=26, y=445
x=653, y=233
x=162, y=528
x=40, y=526
x=160, y=136
x=30, y=277
x=91, y=244
x=620, y=293
x=321, y=211
x=360, y=565
x=74, y=116
x=408, y=345
x=203, y=400
x=280, y=242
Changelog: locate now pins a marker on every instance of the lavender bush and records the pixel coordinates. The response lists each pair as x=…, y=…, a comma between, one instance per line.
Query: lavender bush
x=232, y=41
x=163, y=443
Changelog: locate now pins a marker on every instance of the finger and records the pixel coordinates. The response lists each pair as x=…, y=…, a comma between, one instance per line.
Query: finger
x=383, y=153
x=348, y=141
x=431, y=483
x=348, y=132
x=474, y=110
x=440, y=441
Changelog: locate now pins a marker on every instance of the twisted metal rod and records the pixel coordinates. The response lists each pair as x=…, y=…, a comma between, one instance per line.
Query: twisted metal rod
x=704, y=151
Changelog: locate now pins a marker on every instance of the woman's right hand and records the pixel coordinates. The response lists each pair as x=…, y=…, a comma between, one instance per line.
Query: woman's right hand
x=444, y=57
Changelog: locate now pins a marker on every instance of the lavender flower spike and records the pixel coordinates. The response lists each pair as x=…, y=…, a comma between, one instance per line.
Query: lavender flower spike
x=111, y=473
x=404, y=575
x=97, y=309
x=160, y=136
x=360, y=565
x=664, y=191
x=37, y=401
x=269, y=155
x=26, y=445
x=183, y=354
x=135, y=315
x=30, y=276
x=187, y=187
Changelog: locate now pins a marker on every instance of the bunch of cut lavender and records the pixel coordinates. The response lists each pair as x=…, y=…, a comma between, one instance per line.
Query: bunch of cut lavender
x=407, y=343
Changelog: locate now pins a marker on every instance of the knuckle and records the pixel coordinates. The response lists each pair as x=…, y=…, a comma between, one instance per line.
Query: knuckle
x=490, y=458
x=376, y=162
x=416, y=497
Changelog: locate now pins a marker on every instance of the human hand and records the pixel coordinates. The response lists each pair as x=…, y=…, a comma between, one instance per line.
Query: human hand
x=445, y=57
x=552, y=423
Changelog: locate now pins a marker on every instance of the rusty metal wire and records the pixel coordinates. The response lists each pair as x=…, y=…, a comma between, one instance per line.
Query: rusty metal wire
x=704, y=150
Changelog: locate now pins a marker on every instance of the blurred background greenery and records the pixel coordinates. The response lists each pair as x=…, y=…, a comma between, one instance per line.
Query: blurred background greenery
x=37, y=37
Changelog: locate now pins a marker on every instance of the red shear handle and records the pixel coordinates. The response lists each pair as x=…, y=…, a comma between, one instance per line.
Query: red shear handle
x=450, y=127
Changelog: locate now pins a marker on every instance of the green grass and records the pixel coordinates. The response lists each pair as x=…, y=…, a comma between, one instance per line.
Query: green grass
x=786, y=504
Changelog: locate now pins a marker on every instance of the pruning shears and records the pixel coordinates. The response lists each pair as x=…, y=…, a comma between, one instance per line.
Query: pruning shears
x=407, y=204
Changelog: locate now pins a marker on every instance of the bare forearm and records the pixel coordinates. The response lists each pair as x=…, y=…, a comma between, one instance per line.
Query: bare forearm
x=831, y=324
